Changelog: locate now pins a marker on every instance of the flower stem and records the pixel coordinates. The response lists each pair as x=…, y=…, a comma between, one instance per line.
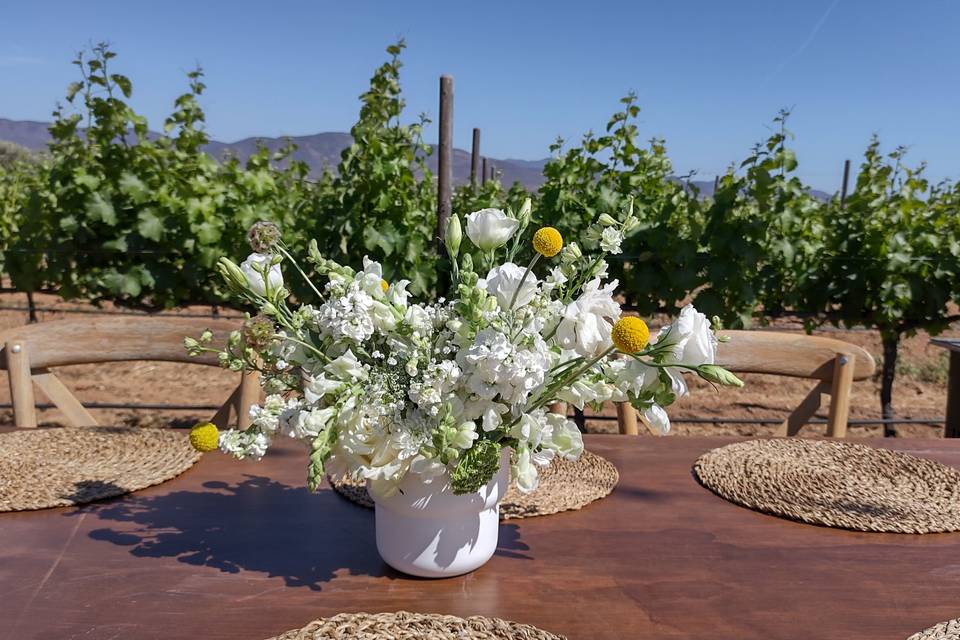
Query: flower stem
x=516, y=292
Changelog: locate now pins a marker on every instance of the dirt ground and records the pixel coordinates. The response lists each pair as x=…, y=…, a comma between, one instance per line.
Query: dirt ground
x=919, y=392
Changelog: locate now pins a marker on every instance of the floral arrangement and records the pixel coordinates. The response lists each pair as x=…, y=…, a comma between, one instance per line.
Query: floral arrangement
x=381, y=386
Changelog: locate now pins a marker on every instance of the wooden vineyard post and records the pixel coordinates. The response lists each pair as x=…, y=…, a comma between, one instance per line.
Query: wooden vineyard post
x=444, y=160
x=846, y=181
x=475, y=158
x=484, y=180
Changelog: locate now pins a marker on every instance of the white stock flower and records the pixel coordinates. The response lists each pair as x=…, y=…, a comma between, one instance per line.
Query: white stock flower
x=489, y=229
x=504, y=282
x=587, y=321
x=610, y=240
x=691, y=339
x=252, y=269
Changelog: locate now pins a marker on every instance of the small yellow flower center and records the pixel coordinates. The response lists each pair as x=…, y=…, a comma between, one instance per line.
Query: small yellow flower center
x=630, y=335
x=204, y=437
x=547, y=241
x=384, y=285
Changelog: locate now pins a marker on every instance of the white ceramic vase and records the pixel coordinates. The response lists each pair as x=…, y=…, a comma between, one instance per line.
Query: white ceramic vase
x=426, y=530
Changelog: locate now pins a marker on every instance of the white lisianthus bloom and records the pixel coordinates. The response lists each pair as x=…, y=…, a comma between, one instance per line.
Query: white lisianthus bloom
x=585, y=391
x=316, y=387
x=346, y=368
x=656, y=416
x=634, y=376
x=489, y=229
x=586, y=322
x=692, y=340
x=524, y=471
x=383, y=317
x=610, y=240
x=252, y=269
x=503, y=282
x=563, y=437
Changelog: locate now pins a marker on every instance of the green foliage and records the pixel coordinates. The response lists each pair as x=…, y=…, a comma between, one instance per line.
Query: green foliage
x=891, y=255
x=382, y=202
x=475, y=467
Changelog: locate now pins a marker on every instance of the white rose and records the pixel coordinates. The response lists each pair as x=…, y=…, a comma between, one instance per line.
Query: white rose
x=252, y=269
x=504, y=282
x=490, y=228
x=691, y=338
x=586, y=322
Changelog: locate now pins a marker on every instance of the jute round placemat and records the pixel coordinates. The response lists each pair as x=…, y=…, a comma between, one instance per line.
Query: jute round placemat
x=564, y=485
x=949, y=630
x=836, y=484
x=414, y=626
x=60, y=467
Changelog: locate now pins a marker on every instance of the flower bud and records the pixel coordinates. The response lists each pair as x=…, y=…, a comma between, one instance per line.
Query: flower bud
x=523, y=216
x=453, y=236
x=231, y=273
x=607, y=220
x=719, y=375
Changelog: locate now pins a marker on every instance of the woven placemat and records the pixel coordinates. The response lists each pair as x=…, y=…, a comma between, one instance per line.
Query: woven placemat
x=836, y=484
x=949, y=630
x=41, y=468
x=414, y=626
x=564, y=485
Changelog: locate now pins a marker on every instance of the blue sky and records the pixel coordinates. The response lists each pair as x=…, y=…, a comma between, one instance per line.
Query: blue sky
x=710, y=75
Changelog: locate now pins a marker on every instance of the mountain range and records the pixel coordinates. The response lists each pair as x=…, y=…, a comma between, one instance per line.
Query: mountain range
x=323, y=150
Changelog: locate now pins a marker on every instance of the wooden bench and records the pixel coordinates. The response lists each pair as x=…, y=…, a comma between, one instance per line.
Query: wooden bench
x=834, y=364
x=28, y=353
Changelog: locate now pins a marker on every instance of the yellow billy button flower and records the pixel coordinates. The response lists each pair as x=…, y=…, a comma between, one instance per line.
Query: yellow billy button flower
x=204, y=437
x=547, y=241
x=630, y=335
x=384, y=285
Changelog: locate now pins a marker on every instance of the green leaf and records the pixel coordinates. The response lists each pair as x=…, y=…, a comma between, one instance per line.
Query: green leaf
x=100, y=209
x=73, y=89
x=130, y=185
x=149, y=225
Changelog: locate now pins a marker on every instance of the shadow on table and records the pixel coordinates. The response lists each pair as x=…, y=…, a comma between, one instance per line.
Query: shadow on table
x=256, y=525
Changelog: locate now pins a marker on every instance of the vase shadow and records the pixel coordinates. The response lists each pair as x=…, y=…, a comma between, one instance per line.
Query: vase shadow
x=256, y=525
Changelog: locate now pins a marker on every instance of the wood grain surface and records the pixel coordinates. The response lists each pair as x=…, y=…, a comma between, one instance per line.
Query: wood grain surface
x=241, y=550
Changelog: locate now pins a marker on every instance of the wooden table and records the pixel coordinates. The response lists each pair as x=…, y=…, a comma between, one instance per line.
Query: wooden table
x=953, y=385
x=242, y=551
